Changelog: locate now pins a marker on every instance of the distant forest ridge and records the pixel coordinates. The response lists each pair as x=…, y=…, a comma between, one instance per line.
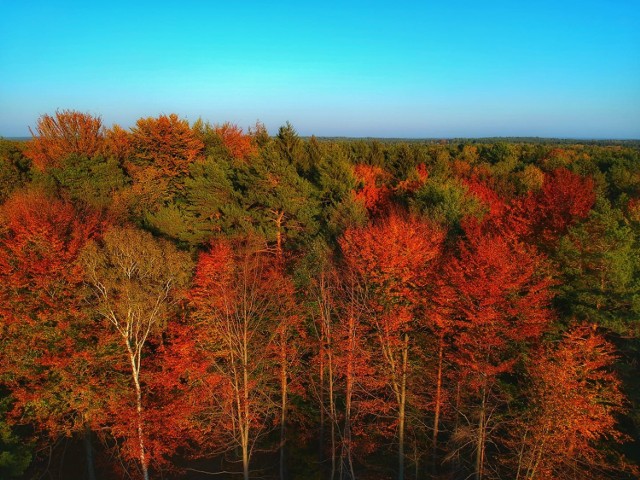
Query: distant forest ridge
x=457, y=140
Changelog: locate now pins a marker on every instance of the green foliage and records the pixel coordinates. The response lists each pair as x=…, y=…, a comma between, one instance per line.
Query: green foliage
x=14, y=168
x=210, y=205
x=91, y=181
x=15, y=452
x=445, y=202
x=600, y=267
x=280, y=203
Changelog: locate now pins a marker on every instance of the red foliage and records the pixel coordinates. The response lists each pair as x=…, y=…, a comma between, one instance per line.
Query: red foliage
x=40, y=241
x=375, y=193
x=392, y=256
x=415, y=180
x=239, y=144
x=500, y=299
x=565, y=197
x=242, y=303
x=392, y=262
x=68, y=132
x=539, y=218
x=487, y=196
x=44, y=356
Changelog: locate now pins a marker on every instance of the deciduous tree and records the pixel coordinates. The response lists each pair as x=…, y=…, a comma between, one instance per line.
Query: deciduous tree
x=47, y=357
x=500, y=296
x=392, y=258
x=236, y=309
x=62, y=134
x=575, y=397
x=135, y=281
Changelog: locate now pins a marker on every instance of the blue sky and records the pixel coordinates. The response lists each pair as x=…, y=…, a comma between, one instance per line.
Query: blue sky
x=392, y=69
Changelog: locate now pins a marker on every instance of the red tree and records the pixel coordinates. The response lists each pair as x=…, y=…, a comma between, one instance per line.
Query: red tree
x=392, y=259
x=575, y=397
x=565, y=197
x=47, y=356
x=375, y=193
x=241, y=307
x=239, y=144
x=499, y=301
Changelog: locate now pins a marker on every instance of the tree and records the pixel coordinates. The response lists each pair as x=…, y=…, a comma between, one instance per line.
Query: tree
x=375, y=193
x=282, y=204
x=500, y=297
x=575, y=397
x=599, y=265
x=392, y=258
x=239, y=144
x=324, y=293
x=67, y=132
x=291, y=147
x=47, y=357
x=564, y=198
x=135, y=280
x=237, y=300
x=14, y=168
x=167, y=144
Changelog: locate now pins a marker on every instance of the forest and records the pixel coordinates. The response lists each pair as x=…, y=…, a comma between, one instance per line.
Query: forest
x=187, y=300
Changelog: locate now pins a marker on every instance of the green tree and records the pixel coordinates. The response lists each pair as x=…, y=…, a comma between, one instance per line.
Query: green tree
x=600, y=267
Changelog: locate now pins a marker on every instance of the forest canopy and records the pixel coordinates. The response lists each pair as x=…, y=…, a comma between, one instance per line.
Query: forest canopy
x=183, y=299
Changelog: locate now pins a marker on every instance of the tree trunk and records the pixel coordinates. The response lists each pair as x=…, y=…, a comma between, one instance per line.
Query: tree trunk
x=283, y=407
x=245, y=411
x=438, y=405
x=135, y=371
x=321, y=368
x=345, y=455
x=402, y=407
x=88, y=448
x=279, y=218
x=332, y=411
x=245, y=461
x=480, y=440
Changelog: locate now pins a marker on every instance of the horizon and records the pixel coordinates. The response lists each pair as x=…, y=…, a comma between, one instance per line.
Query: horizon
x=523, y=138
x=363, y=70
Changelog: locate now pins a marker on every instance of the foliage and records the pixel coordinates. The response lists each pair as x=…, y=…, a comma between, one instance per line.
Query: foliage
x=380, y=309
x=67, y=132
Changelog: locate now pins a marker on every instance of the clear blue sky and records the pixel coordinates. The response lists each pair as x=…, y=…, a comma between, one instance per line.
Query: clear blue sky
x=408, y=69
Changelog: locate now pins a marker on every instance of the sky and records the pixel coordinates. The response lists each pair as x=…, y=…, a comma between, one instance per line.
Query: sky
x=420, y=69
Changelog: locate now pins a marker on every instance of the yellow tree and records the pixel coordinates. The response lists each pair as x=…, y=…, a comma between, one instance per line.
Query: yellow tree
x=135, y=280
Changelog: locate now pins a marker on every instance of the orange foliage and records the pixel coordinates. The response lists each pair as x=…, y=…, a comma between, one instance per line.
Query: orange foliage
x=576, y=397
x=42, y=350
x=392, y=255
x=117, y=142
x=167, y=144
x=375, y=193
x=239, y=295
x=67, y=132
x=500, y=298
x=239, y=144
x=392, y=262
